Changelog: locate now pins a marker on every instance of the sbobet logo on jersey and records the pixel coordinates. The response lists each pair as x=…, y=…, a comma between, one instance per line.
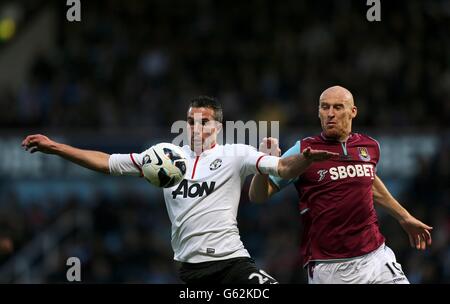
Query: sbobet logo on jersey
x=194, y=190
x=342, y=172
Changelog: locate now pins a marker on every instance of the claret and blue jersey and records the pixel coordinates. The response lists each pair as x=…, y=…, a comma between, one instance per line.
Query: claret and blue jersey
x=336, y=199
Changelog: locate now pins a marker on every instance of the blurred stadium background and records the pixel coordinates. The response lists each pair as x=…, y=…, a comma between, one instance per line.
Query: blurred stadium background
x=118, y=79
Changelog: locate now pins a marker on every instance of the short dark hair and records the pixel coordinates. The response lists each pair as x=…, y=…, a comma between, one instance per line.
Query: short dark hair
x=208, y=102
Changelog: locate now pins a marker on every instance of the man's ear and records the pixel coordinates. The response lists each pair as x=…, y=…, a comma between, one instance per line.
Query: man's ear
x=354, y=111
x=218, y=126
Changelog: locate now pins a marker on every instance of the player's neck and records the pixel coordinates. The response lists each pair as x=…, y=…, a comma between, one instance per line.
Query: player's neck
x=344, y=137
x=203, y=149
x=337, y=137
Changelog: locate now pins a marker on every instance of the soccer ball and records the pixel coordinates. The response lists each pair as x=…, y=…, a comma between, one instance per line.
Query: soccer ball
x=164, y=165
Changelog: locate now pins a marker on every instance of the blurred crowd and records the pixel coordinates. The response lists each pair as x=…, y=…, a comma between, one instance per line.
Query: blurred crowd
x=134, y=64
x=428, y=198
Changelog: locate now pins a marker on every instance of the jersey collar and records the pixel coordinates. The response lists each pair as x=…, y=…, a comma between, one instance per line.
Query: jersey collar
x=326, y=138
x=210, y=150
x=206, y=152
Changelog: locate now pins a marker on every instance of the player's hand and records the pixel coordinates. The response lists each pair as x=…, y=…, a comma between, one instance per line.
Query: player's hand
x=317, y=155
x=269, y=145
x=418, y=233
x=38, y=142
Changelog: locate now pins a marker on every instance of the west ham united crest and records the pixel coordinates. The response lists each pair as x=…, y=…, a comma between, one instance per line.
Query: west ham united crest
x=363, y=153
x=215, y=164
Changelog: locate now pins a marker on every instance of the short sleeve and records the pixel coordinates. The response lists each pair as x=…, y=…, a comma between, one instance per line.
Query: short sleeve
x=253, y=161
x=278, y=181
x=378, y=149
x=379, y=154
x=126, y=164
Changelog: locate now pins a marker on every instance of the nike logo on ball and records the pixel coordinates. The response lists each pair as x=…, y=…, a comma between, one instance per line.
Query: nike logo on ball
x=159, y=158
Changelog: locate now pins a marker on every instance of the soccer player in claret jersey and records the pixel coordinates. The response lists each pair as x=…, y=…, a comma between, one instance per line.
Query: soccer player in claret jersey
x=203, y=207
x=341, y=240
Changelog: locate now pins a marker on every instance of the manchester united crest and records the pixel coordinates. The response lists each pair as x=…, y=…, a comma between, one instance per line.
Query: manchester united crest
x=363, y=153
x=215, y=164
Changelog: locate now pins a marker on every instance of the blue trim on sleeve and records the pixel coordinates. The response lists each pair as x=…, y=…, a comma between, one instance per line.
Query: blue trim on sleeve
x=278, y=181
x=379, y=151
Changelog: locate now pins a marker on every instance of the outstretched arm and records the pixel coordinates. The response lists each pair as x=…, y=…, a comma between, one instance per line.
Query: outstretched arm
x=94, y=160
x=288, y=168
x=418, y=232
x=295, y=165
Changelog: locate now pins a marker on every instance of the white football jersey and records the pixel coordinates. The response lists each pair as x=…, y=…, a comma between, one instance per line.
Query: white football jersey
x=203, y=207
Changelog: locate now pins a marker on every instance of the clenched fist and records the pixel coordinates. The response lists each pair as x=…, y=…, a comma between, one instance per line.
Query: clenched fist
x=269, y=145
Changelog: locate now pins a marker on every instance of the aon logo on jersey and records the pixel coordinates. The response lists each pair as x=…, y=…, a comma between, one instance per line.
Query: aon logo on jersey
x=342, y=172
x=194, y=190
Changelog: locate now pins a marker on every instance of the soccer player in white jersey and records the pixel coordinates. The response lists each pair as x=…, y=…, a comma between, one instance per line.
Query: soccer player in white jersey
x=203, y=207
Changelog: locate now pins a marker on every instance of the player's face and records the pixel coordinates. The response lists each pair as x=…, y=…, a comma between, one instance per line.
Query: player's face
x=203, y=128
x=336, y=117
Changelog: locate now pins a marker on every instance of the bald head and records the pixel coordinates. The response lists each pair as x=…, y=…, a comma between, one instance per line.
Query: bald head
x=338, y=93
x=336, y=111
